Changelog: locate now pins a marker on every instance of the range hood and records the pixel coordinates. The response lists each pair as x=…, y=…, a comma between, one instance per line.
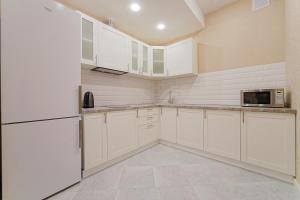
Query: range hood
x=108, y=71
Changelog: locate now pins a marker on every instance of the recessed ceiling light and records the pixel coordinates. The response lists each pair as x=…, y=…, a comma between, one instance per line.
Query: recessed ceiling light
x=161, y=26
x=135, y=7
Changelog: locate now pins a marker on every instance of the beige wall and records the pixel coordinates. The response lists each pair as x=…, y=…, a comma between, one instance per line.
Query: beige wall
x=235, y=36
x=293, y=63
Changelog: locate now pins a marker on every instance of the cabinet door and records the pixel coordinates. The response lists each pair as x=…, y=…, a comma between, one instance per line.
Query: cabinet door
x=88, y=40
x=158, y=61
x=268, y=140
x=94, y=140
x=135, y=57
x=122, y=133
x=149, y=125
x=145, y=60
x=190, y=128
x=222, y=133
x=169, y=124
x=180, y=58
x=113, y=49
x=148, y=133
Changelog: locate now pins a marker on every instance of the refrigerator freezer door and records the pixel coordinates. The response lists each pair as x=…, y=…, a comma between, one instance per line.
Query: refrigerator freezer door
x=40, y=158
x=40, y=60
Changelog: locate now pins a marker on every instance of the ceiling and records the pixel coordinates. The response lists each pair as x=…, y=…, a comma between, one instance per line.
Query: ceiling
x=177, y=16
x=208, y=6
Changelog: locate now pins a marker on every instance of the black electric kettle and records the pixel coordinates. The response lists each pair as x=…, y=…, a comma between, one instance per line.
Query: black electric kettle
x=88, y=100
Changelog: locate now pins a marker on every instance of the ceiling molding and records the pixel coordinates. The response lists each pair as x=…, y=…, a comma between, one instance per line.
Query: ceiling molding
x=196, y=10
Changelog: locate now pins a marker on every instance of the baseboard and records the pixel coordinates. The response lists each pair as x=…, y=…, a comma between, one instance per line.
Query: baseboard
x=249, y=167
x=109, y=163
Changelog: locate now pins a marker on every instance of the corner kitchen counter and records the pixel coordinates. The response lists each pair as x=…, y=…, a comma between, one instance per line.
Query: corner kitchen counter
x=105, y=109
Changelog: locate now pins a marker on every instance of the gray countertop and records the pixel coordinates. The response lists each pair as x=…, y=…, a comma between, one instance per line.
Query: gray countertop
x=189, y=106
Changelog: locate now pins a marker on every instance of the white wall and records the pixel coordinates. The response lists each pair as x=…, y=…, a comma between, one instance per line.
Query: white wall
x=222, y=87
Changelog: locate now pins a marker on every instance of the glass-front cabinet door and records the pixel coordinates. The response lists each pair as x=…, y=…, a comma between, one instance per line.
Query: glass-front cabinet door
x=146, y=69
x=88, y=40
x=159, y=65
x=134, y=63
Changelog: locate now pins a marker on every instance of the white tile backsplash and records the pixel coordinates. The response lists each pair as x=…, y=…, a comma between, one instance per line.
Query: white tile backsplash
x=117, y=90
x=222, y=87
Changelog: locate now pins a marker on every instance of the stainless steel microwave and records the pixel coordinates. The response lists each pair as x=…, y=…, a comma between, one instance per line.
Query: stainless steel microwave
x=273, y=98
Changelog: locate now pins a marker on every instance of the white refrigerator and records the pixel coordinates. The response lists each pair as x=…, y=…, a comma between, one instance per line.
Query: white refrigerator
x=40, y=78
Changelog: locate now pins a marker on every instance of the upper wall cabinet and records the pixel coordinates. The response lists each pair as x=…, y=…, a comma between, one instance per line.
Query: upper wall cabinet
x=135, y=57
x=88, y=40
x=140, y=62
x=159, y=61
x=182, y=58
x=104, y=46
x=113, y=49
x=146, y=63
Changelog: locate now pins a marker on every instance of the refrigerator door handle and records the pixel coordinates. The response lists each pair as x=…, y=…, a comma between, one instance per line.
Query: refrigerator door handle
x=80, y=133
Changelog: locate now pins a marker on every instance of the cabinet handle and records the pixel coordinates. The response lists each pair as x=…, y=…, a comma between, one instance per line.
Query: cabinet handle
x=137, y=113
x=96, y=60
x=80, y=134
x=204, y=114
x=161, y=112
x=105, y=118
x=177, y=112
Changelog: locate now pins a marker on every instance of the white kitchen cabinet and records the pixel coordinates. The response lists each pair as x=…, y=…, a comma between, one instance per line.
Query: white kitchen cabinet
x=113, y=49
x=88, y=40
x=122, y=132
x=190, y=131
x=169, y=124
x=149, y=125
x=182, y=58
x=135, y=57
x=146, y=60
x=268, y=140
x=94, y=141
x=159, y=61
x=222, y=133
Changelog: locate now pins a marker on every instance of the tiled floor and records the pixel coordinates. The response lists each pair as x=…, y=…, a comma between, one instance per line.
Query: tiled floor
x=163, y=173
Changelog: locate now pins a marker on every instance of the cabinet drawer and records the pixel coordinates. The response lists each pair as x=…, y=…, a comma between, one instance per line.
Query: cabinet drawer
x=150, y=125
x=149, y=111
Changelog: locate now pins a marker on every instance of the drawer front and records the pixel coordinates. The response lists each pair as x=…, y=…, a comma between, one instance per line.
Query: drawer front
x=151, y=125
x=151, y=119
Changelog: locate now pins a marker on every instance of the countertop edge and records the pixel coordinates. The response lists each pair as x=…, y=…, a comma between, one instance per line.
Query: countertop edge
x=206, y=107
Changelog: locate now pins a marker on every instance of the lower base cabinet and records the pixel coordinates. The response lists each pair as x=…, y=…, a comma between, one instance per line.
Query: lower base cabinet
x=268, y=140
x=222, y=130
x=169, y=124
x=148, y=125
x=121, y=133
x=148, y=133
x=94, y=140
x=190, y=128
x=261, y=139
